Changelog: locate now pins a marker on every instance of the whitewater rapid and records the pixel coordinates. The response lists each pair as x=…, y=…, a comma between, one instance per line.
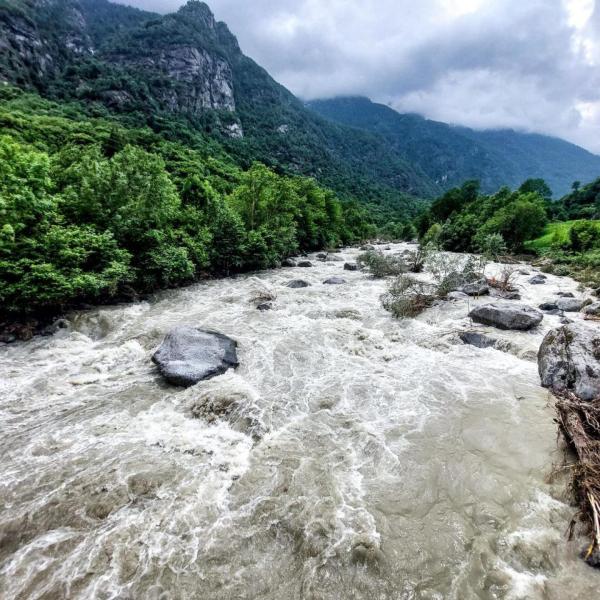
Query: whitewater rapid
x=366, y=458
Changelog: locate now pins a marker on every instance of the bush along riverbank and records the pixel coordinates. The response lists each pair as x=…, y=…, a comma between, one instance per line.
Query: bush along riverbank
x=92, y=225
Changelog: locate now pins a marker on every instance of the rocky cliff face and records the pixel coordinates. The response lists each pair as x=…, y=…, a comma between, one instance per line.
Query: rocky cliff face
x=180, y=54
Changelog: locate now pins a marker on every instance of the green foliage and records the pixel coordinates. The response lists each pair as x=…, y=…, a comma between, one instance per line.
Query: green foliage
x=87, y=217
x=463, y=220
x=582, y=203
x=407, y=298
x=380, y=265
x=584, y=236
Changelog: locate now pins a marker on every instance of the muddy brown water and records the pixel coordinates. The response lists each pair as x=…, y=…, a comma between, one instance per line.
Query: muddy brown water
x=364, y=458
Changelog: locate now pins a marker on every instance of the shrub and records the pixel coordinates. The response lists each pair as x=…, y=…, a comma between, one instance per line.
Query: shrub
x=380, y=265
x=406, y=297
x=584, y=236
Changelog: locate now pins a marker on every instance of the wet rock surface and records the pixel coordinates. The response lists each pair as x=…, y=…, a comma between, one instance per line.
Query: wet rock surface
x=592, y=310
x=570, y=304
x=538, y=280
x=188, y=355
x=297, y=284
x=569, y=360
x=479, y=340
x=478, y=288
x=504, y=315
x=334, y=281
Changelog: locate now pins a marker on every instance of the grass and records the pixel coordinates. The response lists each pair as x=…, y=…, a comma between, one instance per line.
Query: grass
x=554, y=235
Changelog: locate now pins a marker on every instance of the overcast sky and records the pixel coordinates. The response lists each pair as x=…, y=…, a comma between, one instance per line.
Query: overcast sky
x=526, y=64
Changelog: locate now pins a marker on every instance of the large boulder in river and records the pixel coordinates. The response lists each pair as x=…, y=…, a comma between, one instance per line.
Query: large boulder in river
x=335, y=281
x=569, y=361
x=350, y=267
x=507, y=315
x=592, y=310
x=570, y=304
x=188, y=355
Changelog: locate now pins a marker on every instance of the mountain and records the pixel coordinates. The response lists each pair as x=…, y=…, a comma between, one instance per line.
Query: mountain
x=184, y=75
x=185, y=71
x=450, y=155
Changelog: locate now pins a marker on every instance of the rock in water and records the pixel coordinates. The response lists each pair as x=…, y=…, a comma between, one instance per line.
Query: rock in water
x=188, y=355
x=538, y=280
x=350, y=267
x=548, y=305
x=479, y=288
x=569, y=360
x=566, y=294
x=305, y=264
x=297, y=284
x=504, y=315
x=334, y=281
x=570, y=304
x=479, y=340
x=288, y=262
x=592, y=310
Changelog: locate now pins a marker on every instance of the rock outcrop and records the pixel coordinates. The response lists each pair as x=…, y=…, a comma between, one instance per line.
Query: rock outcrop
x=504, y=315
x=188, y=355
x=569, y=361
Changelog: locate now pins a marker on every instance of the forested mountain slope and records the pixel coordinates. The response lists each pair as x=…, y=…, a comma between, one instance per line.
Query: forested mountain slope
x=450, y=155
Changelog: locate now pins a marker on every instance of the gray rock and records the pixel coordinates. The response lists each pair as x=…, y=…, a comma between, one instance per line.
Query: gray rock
x=565, y=295
x=188, y=355
x=479, y=288
x=569, y=361
x=538, y=280
x=504, y=315
x=350, y=267
x=305, y=264
x=297, y=284
x=264, y=306
x=565, y=321
x=322, y=256
x=524, y=272
x=288, y=262
x=334, y=281
x=592, y=310
x=456, y=296
x=570, y=304
x=548, y=305
x=510, y=295
x=367, y=248
x=479, y=340
x=333, y=258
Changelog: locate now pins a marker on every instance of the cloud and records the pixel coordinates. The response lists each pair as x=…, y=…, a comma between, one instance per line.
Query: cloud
x=530, y=65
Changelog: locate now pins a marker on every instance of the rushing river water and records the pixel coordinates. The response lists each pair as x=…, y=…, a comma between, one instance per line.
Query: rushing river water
x=366, y=458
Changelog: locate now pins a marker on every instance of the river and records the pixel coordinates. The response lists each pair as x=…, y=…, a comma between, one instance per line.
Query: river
x=365, y=458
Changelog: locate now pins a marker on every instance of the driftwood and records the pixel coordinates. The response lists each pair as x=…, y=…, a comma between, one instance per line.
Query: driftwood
x=580, y=423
